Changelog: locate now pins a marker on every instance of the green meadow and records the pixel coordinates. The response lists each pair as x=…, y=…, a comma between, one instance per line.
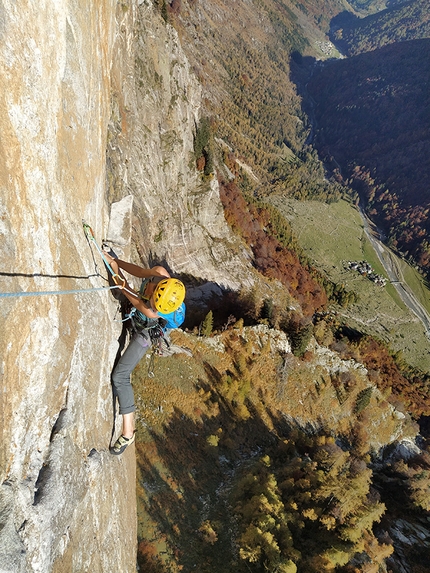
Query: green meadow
x=331, y=235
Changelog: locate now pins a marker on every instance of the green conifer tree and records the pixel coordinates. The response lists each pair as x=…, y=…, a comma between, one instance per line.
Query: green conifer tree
x=207, y=325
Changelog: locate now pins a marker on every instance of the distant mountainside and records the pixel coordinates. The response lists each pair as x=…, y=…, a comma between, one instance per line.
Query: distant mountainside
x=245, y=55
x=371, y=112
x=373, y=120
x=399, y=23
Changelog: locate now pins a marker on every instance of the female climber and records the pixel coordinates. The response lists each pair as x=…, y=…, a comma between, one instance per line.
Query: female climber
x=159, y=295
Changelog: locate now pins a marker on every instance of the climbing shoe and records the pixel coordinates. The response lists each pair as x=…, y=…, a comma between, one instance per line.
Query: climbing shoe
x=121, y=444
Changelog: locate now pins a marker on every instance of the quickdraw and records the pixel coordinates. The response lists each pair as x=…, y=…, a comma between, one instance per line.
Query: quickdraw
x=156, y=334
x=117, y=279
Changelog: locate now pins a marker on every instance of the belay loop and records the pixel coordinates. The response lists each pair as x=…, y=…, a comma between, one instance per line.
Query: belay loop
x=156, y=335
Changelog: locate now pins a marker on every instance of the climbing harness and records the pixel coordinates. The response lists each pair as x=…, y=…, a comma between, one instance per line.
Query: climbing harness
x=153, y=329
x=167, y=321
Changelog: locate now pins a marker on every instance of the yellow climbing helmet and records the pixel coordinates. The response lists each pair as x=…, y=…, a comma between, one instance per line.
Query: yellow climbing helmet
x=169, y=295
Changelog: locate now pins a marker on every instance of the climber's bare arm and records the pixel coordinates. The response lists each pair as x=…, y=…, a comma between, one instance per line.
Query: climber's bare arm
x=137, y=271
x=130, y=293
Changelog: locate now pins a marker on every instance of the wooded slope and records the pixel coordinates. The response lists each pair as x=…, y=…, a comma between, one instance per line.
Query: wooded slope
x=407, y=21
x=373, y=120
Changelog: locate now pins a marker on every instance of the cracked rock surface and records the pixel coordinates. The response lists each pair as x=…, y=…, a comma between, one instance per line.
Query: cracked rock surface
x=65, y=501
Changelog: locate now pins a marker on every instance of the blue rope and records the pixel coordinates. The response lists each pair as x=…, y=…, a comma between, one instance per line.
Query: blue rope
x=90, y=236
x=54, y=292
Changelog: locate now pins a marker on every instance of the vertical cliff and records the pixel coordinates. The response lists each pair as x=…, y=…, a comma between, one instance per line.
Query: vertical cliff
x=66, y=504
x=98, y=105
x=156, y=103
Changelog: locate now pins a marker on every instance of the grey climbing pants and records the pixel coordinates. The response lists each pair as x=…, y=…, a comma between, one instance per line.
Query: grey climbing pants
x=121, y=376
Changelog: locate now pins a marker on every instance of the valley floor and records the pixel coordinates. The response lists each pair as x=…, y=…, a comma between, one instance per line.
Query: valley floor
x=380, y=311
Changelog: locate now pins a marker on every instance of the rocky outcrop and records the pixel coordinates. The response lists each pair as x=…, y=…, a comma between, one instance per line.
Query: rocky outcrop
x=178, y=216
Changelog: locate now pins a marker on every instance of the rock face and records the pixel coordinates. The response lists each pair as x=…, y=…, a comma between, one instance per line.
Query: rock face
x=77, y=77
x=65, y=501
x=178, y=217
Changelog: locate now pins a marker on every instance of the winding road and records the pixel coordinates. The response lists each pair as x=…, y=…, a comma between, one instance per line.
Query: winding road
x=394, y=273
